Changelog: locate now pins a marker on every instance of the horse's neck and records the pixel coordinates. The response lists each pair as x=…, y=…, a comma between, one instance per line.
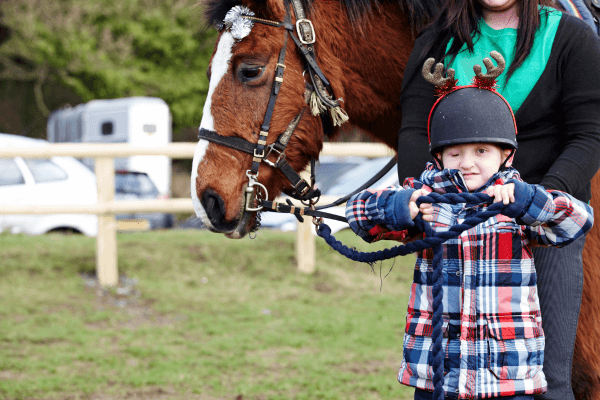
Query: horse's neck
x=365, y=65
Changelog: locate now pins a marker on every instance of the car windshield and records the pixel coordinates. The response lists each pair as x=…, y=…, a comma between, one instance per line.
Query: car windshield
x=330, y=170
x=10, y=173
x=45, y=170
x=130, y=183
x=359, y=175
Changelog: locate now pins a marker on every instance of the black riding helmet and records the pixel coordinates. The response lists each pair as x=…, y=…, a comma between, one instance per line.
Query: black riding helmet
x=470, y=114
x=474, y=113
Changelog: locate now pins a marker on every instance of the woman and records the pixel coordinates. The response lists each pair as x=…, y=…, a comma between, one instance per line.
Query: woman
x=553, y=85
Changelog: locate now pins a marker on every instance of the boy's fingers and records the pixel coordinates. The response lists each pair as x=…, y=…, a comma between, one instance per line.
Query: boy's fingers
x=426, y=208
x=413, y=209
x=498, y=197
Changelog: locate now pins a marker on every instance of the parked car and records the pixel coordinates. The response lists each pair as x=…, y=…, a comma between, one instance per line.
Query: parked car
x=337, y=176
x=45, y=181
x=132, y=185
x=65, y=180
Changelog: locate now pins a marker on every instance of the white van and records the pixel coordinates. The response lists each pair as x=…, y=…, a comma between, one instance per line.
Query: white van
x=140, y=121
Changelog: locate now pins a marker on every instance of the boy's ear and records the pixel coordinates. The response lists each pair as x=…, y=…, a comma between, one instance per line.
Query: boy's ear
x=506, y=155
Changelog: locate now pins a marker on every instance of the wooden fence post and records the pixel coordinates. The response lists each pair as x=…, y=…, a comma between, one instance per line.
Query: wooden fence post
x=305, y=241
x=106, y=242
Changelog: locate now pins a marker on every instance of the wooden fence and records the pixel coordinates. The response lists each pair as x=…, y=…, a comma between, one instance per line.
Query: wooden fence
x=106, y=207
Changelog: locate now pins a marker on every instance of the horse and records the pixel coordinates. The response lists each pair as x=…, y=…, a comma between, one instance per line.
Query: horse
x=266, y=114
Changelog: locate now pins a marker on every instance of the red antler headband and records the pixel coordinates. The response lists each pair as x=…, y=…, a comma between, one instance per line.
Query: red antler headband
x=447, y=85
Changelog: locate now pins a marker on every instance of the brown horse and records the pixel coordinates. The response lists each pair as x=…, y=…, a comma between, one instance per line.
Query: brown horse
x=362, y=47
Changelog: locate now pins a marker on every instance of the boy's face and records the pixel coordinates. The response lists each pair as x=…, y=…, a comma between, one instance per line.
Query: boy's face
x=478, y=162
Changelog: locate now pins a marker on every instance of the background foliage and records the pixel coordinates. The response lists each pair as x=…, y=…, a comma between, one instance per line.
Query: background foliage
x=70, y=51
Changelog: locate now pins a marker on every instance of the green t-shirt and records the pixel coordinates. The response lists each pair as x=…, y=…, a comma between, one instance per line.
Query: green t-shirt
x=504, y=41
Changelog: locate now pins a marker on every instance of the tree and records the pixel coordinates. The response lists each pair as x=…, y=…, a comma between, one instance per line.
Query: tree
x=75, y=51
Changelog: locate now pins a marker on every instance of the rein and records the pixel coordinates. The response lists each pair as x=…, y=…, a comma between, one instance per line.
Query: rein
x=433, y=240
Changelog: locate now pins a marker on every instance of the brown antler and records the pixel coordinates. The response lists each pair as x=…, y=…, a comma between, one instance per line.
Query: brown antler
x=436, y=77
x=442, y=85
x=492, y=72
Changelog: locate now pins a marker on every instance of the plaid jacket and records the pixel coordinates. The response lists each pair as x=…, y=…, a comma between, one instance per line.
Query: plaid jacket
x=493, y=338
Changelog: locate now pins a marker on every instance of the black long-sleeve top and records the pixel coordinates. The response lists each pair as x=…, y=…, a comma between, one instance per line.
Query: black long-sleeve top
x=558, y=123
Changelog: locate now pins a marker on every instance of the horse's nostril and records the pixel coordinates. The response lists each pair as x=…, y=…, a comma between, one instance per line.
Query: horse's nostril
x=214, y=205
x=215, y=210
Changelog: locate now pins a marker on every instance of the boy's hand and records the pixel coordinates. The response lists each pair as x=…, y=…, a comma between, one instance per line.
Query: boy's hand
x=426, y=208
x=502, y=193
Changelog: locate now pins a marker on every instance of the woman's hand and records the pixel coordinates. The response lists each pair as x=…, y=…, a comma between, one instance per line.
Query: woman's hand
x=426, y=209
x=502, y=193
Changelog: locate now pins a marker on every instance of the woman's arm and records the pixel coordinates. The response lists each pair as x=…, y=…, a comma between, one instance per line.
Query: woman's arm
x=416, y=101
x=578, y=72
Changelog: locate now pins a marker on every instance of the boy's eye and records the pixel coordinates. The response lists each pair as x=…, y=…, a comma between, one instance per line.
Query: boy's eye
x=481, y=151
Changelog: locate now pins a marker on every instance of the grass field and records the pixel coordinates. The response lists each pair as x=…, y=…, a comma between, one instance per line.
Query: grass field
x=198, y=316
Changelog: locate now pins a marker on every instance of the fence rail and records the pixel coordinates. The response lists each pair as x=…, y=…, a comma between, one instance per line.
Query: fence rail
x=106, y=207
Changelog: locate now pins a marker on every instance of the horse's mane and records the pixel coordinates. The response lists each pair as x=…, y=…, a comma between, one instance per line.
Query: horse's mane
x=420, y=12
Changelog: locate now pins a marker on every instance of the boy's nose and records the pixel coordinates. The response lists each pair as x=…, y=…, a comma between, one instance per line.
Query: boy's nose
x=466, y=162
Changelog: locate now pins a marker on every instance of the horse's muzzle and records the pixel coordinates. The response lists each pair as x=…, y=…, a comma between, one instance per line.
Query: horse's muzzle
x=214, y=207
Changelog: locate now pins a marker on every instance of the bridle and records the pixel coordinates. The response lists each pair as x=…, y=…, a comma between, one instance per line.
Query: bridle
x=301, y=189
x=260, y=150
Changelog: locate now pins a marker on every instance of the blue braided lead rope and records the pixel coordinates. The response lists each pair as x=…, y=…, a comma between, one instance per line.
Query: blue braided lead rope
x=429, y=240
x=434, y=241
x=437, y=322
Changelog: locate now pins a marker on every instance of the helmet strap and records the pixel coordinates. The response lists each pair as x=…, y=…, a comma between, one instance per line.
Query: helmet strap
x=438, y=161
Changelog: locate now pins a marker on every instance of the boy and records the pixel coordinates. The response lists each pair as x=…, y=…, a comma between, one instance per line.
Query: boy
x=493, y=339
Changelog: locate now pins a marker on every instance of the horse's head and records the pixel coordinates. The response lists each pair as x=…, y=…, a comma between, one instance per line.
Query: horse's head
x=361, y=49
x=242, y=75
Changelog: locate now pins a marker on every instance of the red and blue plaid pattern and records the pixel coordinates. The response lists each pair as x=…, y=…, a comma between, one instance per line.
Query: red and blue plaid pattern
x=493, y=338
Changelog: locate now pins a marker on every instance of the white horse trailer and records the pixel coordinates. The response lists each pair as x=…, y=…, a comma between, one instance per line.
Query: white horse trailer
x=140, y=121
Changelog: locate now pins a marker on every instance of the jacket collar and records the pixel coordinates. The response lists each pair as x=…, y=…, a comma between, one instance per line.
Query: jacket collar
x=452, y=181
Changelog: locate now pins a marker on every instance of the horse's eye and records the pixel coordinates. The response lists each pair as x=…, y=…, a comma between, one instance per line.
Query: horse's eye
x=250, y=73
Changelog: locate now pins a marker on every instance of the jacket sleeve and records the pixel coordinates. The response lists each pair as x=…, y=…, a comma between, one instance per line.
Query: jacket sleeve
x=380, y=214
x=556, y=218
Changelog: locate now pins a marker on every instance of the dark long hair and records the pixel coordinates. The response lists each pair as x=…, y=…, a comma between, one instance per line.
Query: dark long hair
x=459, y=19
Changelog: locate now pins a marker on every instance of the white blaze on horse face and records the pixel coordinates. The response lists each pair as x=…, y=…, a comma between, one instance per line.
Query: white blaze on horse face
x=219, y=67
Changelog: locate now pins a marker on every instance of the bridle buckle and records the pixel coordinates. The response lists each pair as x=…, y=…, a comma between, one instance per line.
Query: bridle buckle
x=261, y=155
x=281, y=156
x=306, y=31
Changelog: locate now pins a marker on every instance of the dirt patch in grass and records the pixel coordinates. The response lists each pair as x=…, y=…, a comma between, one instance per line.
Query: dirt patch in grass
x=387, y=366
x=126, y=302
x=145, y=394
x=7, y=375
